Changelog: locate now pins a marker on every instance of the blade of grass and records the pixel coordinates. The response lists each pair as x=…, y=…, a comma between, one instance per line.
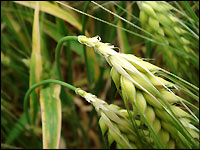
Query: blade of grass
x=190, y=11
x=18, y=128
x=14, y=28
x=36, y=64
x=51, y=116
x=123, y=41
x=55, y=11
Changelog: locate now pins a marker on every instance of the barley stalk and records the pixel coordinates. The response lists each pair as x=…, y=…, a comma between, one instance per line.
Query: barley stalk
x=147, y=93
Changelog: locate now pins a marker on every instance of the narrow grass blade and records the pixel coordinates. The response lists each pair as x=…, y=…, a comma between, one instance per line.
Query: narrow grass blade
x=17, y=129
x=123, y=40
x=92, y=64
x=36, y=64
x=51, y=116
x=190, y=11
x=55, y=11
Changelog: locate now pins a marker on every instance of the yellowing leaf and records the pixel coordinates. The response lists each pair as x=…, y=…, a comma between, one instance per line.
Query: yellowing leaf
x=36, y=64
x=51, y=116
x=55, y=11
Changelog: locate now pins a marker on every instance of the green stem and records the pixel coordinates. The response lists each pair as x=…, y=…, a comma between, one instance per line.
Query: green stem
x=69, y=67
x=26, y=98
x=58, y=49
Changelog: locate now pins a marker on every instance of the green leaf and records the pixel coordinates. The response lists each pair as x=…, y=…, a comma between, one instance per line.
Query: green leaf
x=36, y=64
x=55, y=11
x=123, y=40
x=17, y=129
x=51, y=116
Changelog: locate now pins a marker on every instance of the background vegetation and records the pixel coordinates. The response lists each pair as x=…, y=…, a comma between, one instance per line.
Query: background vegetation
x=115, y=22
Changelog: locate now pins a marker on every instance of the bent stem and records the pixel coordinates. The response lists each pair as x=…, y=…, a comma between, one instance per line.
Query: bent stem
x=26, y=98
x=58, y=50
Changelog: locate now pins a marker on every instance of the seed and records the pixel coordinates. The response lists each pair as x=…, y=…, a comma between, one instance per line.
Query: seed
x=159, y=6
x=160, y=31
x=103, y=126
x=179, y=112
x=186, y=42
x=143, y=18
x=168, y=31
x=171, y=144
x=159, y=82
x=150, y=100
x=115, y=76
x=143, y=80
x=164, y=136
x=169, y=96
x=154, y=24
x=140, y=101
x=128, y=90
x=163, y=19
x=150, y=114
x=180, y=30
x=110, y=137
x=156, y=125
x=148, y=9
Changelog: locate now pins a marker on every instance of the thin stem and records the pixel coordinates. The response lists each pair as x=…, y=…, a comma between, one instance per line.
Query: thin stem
x=58, y=49
x=31, y=89
x=69, y=67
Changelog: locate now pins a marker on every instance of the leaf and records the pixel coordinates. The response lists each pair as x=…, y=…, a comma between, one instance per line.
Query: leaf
x=36, y=64
x=123, y=41
x=17, y=129
x=92, y=64
x=55, y=11
x=51, y=116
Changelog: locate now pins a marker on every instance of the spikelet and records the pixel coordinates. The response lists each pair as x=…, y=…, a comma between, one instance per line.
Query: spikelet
x=128, y=90
x=150, y=114
x=103, y=126
x=164, y=136
x=116, y=77
x=156, y=125
x=140, y=101
x=171, y=144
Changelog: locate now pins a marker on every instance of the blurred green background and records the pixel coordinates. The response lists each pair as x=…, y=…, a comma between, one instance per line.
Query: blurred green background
x=79, y=119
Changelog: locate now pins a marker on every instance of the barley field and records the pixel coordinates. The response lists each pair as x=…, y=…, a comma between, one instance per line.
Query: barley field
x=100, y=74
